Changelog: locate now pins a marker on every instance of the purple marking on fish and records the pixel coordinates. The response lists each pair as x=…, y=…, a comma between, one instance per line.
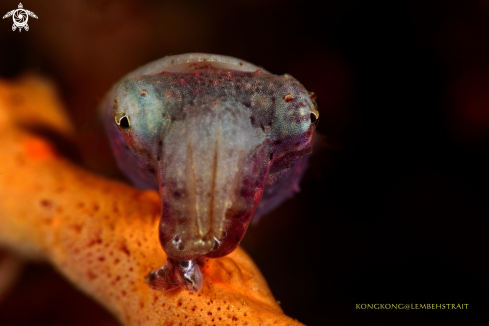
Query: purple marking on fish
x=220, y=139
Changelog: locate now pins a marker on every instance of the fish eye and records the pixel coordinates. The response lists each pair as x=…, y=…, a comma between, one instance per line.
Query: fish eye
x=314, y=116
x=123, y=122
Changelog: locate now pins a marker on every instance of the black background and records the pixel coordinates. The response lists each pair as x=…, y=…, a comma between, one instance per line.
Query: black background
x=394, y=206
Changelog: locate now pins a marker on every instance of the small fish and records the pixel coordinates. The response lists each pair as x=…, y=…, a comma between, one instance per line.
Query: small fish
x=222, y=140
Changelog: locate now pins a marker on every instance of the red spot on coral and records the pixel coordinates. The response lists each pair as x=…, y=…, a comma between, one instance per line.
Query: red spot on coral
x=95, y=241
x=91, y=275
x=39, y=149
x=125, y=250
x=46, y=203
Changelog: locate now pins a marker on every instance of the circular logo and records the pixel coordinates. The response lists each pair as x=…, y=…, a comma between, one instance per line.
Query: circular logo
x=20, y=18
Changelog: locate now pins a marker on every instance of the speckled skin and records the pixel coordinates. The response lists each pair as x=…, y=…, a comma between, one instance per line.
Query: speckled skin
x=220, y=139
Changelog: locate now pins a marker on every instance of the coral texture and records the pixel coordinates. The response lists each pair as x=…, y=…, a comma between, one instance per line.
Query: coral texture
x=102, y=234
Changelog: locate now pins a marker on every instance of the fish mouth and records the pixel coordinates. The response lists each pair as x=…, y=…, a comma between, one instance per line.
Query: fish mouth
x=212, y=164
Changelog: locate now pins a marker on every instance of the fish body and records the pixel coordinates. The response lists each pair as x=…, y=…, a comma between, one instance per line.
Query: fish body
x=220, y=139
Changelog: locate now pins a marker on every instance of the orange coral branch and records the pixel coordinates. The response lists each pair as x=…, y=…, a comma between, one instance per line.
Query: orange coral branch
x=102, y=234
